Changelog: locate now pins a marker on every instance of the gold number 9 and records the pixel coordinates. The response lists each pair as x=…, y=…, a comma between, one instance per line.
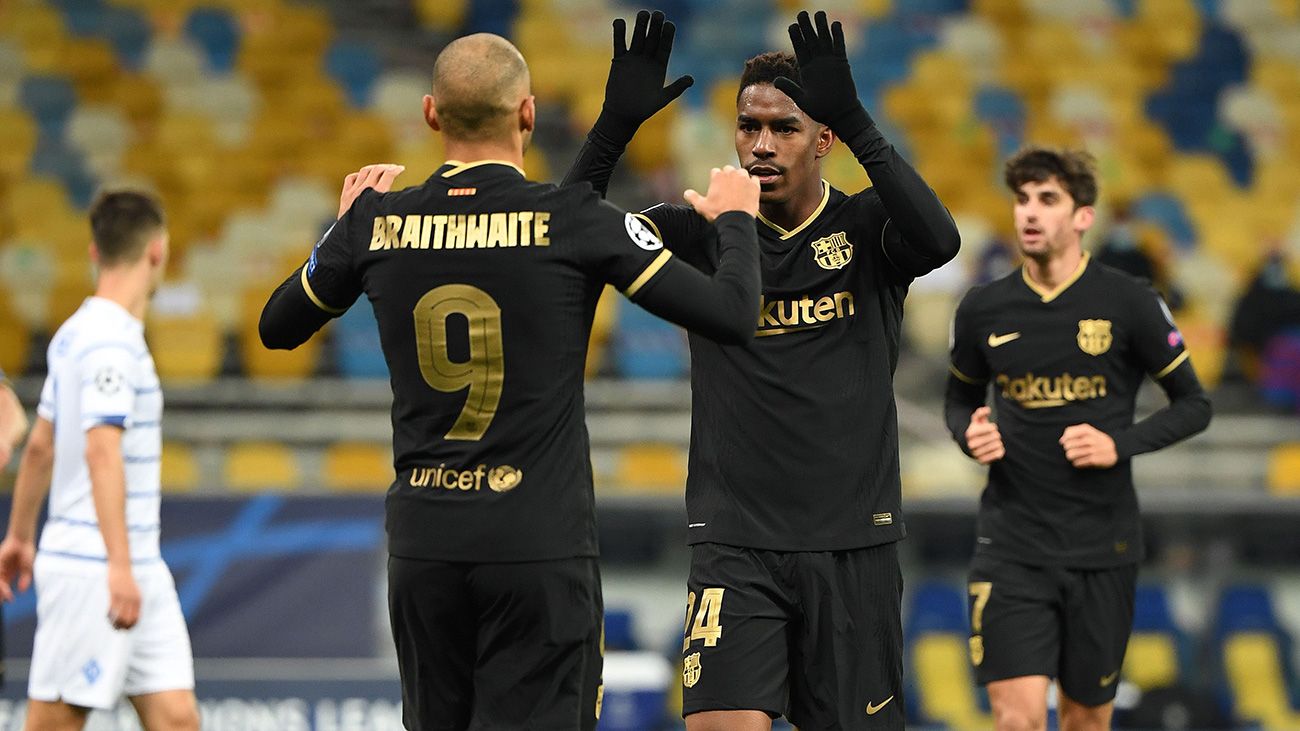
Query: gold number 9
x=483, y=373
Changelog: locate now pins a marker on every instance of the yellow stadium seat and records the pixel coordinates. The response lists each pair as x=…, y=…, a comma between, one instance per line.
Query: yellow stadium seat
x=1284, y=469
x=443, y=15
x=254, y=466
x=1254, y=668
x=180, y=470
x=186, y=349
x=602, y=326
x=359, y=466
x=941, y=662
x=1151, y=660
x=15, y=340
x=651, y=466
x=19, y=133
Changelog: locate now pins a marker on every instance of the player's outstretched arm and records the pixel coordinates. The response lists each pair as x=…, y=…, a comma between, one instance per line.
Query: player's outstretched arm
x=634, y=92
x=18, y=551
x=927, y=236
x=296, y=310
x=723, y=307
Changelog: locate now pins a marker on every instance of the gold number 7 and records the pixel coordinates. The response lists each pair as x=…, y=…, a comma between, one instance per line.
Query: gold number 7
x=483, y=373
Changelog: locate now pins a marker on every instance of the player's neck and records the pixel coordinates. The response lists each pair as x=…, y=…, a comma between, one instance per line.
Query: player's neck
x=128, y=287
x=1051, y=271
x=466, y=151
x=789, y=214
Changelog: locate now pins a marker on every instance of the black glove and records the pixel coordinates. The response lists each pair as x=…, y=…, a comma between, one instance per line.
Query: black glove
x=828, y=94
x=635, y=90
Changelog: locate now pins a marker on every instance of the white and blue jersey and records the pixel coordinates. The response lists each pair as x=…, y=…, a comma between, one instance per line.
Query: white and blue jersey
x=100, y=372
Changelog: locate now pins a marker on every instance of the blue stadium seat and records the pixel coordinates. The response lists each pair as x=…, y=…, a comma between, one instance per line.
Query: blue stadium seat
x=492, y=16
x=931, y=7
x=619, y=630
x=355, y=66
x=1246, y=607
x=82, y=17
x=128, y=31
x=55, y=159
x=217, y=33
x=1004, y=111
x=646, y=347
x=356, y=343
x=1151, y=610
x=937, y=606
x=50, y=100
x=1167, y=212
x=1187, y=105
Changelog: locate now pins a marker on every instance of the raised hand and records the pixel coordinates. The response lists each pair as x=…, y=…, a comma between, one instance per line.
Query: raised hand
x=827, y=93
x=635, y=90
x=983, y=438
x=379, y=177
x=730, y=189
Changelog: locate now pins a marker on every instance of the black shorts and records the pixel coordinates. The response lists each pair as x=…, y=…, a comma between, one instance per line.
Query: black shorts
x=497, y=645
x=1068, y=624
x=813, y=636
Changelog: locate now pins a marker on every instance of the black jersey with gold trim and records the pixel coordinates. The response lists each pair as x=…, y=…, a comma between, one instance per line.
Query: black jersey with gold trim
x=1076, y=355
x=794, y=436
x=484, y=285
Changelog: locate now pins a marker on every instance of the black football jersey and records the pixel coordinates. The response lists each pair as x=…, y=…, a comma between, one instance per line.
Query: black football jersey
x=1076, y=355
x=484, y=285
x=794, y=436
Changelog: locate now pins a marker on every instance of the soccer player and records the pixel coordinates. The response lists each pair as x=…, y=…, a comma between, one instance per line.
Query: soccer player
x=1065, y=343
x=13, y=421
x=793, y=492
x=108, y=621
x=484, y=285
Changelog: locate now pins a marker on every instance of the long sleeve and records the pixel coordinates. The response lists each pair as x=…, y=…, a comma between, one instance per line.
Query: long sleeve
x=927, y=236
x=595, y=162
x=960, y=400
x=1188, y=413
x=723, y=307
x=290, y=317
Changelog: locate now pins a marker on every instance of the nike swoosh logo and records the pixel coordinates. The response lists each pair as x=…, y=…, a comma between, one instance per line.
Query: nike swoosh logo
x=873, y=708
x=1108, y=679
x=996, y=340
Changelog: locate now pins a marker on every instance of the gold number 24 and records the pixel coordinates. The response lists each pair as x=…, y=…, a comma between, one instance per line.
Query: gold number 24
x=483, y=373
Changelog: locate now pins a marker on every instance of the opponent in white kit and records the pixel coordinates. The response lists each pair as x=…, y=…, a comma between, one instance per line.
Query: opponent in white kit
x=108, y=621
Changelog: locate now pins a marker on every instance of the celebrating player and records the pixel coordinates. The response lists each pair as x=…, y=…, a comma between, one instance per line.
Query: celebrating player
x=793, y=494
x=484, y=285
x=108, y=621
x=1065, y=343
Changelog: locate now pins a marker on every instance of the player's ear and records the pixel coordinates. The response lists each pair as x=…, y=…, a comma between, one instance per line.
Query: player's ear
x=1084, y=217
x=825, y=141
x=431, y=114
x=94, y=255
x=528, y=114
x=157, y=250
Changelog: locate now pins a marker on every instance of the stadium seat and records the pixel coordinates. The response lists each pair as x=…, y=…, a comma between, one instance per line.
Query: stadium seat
x=651, y=467
x=15, y=340
x=180, y=470
x=257, y=466
x=258, y=362
x=217, y=32
x=619, y=630
x=355, y=66
x=1152, y=659
x=647, y=347
x=186, y=348
x=442, y=15
x=1284, y=469
x=357, y=466
x=129, y=33
x=50, y=100
x=356, y=348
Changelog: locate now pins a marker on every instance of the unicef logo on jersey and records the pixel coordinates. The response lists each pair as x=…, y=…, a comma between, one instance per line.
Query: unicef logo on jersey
x=640, y=235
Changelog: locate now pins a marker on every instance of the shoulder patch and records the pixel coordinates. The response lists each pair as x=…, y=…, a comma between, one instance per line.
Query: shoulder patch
x=640, y=235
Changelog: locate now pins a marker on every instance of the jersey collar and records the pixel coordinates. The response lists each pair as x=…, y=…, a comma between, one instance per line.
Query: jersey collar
x=1050, y=294
x=112, y=309
x=826, y=196
x=458, y=167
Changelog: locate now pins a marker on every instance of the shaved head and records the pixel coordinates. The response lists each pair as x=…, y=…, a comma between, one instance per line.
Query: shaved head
x=479, y=82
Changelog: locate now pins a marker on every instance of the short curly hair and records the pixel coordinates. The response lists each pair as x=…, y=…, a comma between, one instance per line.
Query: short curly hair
x=1075, y=169
x=765, y=67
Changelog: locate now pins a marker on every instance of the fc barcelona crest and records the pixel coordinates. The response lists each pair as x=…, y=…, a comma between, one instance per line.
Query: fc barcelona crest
x=833, y=252
x=691, y=670
x=1094, y=336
